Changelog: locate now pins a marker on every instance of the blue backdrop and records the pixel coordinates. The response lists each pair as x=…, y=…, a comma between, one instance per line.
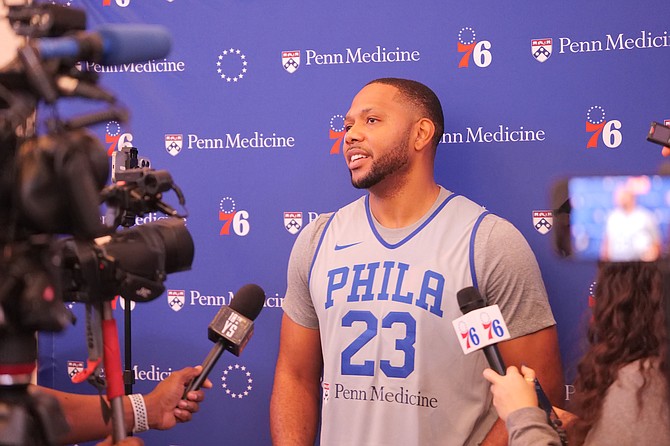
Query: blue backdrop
x=532, y=92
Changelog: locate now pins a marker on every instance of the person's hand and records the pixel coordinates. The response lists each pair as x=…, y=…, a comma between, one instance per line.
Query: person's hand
x=128, y=441
x=512, y=391
x=165, y=408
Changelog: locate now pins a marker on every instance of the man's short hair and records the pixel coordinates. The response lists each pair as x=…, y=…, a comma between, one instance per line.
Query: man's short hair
x=422, y=97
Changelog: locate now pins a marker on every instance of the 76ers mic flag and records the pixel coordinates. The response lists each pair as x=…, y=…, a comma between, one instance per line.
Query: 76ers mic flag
x=481, y=327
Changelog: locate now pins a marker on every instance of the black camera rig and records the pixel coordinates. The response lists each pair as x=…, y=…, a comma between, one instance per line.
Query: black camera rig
x=55, y=247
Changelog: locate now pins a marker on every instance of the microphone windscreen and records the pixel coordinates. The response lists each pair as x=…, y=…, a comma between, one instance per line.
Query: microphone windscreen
x=129, y=43
x=470, y=299
x=248, y=301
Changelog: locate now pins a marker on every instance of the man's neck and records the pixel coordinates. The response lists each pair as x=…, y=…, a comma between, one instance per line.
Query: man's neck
x=402, y=206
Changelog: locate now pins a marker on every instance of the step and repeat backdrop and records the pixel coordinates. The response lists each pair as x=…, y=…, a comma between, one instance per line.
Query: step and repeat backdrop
x=246, y=113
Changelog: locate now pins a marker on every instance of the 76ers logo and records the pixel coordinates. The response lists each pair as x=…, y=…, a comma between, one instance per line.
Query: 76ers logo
x=478, y=51
x=337, y=133
x=601, y=129
x=115, y=137
x=233, y=220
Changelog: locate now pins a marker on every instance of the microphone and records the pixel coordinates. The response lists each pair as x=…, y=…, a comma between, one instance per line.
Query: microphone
x=470, y=299
x=231, y=329
x=111, y=44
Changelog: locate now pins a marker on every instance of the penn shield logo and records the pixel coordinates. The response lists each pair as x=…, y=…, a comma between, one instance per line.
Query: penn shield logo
x=74, y=367
x=174, y=143
x=293, y=222
x=290, y=60
x=541, y=49
x=543, y=221
x=231, y=65
x=326, y=391
x=176, y=299
x=602, y=129
x=477, y=51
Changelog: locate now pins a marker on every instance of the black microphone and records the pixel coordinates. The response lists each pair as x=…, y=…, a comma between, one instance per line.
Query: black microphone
x=470, y=299
x=231, y=329
x=111, y=44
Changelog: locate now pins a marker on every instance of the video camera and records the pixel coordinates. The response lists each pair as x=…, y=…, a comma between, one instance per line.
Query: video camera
x=55, y=247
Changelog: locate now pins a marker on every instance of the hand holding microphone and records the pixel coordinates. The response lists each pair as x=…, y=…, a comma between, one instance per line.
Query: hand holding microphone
x=231, y=329
x=513, y=391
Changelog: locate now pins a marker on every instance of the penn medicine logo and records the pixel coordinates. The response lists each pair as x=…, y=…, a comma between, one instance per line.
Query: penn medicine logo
x=543, y=221
x=176, y=299
x=293, y=222
x=174, y=143
x=290, y=60
x=379, y=54
x=74, y=367
x=541, y=49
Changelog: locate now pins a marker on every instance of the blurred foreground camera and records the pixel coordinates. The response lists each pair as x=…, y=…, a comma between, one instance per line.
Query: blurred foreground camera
x=54, y=246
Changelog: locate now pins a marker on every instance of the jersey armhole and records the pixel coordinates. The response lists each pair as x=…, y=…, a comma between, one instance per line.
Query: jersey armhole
x=473, y=273
x=316, y=251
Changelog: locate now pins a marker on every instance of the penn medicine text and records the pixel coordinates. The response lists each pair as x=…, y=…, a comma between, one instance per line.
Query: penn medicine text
x=645, y=40
x=379, y=55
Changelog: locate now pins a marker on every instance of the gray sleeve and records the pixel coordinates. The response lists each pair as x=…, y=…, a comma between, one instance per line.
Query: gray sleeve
x=529, y=427
x=622, y=421
x=508, y=275
x=298, y=303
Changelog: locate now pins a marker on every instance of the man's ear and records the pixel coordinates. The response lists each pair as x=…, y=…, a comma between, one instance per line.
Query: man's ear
x=425, y=130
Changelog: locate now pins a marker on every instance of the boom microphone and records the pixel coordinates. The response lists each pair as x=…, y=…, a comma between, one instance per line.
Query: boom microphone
x=111, y=44
x=470, y=299
x=231, y=329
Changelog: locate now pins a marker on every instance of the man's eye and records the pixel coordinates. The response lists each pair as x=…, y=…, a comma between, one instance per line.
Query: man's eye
x=372, y=120
x=347, y=128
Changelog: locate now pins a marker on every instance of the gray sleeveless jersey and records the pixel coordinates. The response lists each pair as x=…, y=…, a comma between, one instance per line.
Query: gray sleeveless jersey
x=394, y=372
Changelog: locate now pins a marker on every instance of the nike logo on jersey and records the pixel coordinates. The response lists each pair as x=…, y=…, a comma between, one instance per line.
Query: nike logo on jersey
x=339, y=247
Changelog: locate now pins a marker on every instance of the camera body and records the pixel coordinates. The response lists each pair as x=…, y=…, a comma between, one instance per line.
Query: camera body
x=125, y=160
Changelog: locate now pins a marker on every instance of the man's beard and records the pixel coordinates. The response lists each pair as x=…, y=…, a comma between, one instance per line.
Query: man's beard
x=382, y=167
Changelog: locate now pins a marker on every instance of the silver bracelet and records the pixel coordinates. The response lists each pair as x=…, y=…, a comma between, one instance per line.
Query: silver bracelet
x=139, y=413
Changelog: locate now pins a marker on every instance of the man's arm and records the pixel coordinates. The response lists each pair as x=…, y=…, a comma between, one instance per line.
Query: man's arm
x=294, y=406
x=164, y=406
x=540, y=352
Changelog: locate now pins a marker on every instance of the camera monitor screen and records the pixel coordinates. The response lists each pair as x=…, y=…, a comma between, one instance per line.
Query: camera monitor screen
x=619, y=218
